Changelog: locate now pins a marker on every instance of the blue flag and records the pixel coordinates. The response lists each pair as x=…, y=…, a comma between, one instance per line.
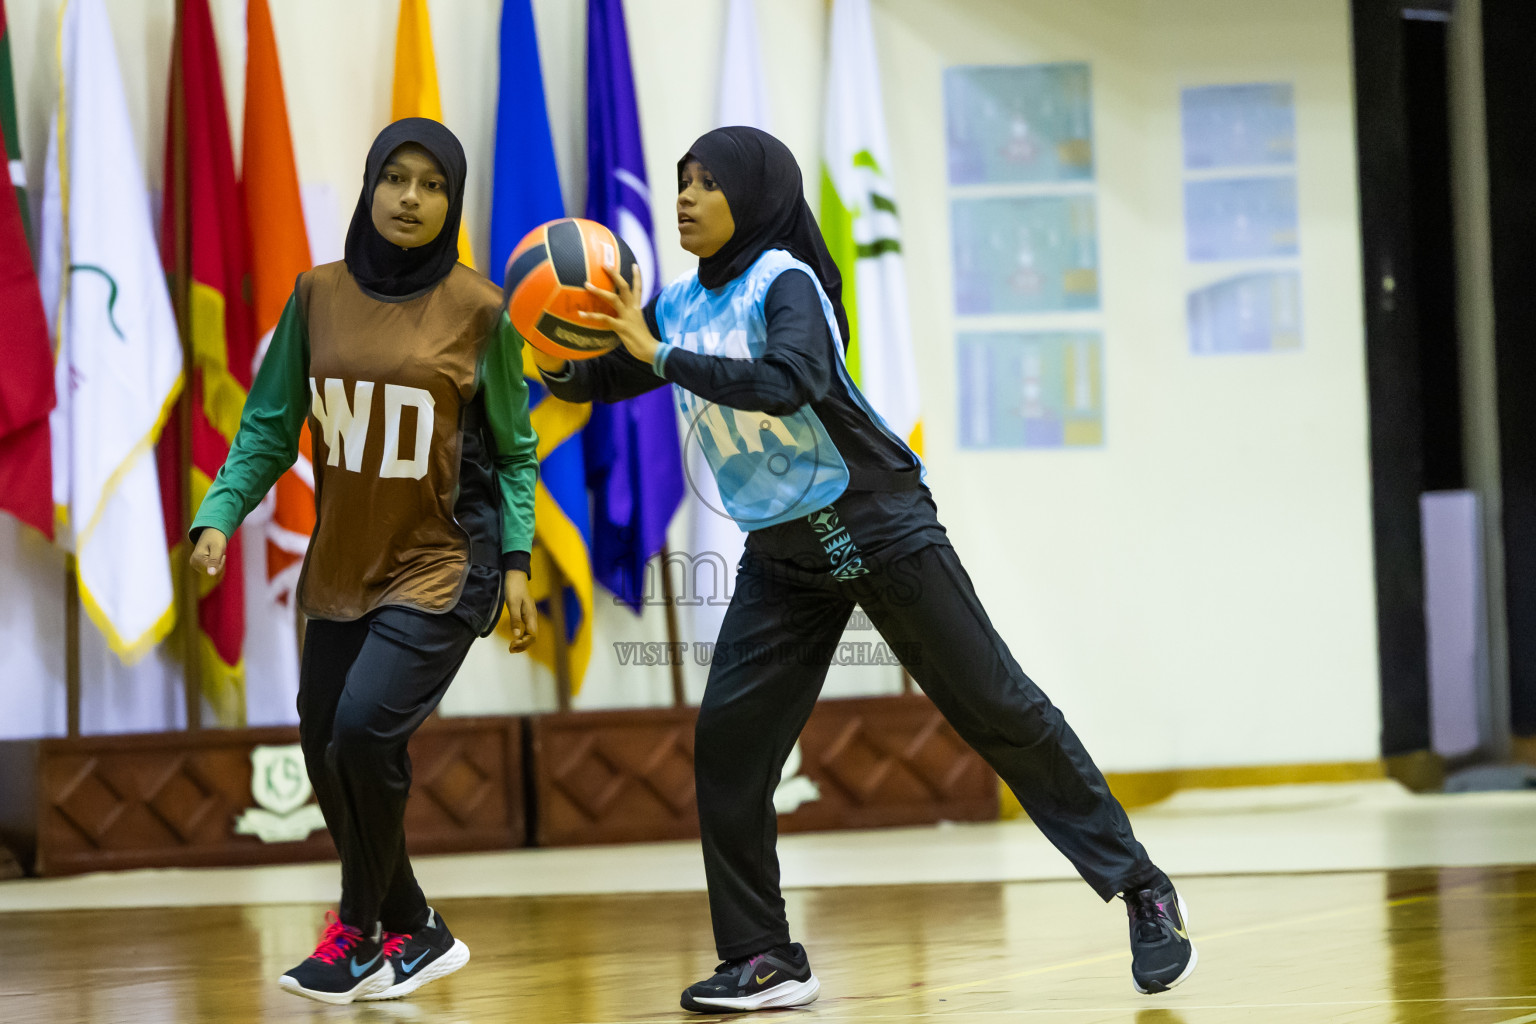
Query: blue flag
x=526, y=193
x=634, y=459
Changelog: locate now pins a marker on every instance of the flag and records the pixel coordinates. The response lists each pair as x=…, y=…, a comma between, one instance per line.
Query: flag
x=526, y=193
x=278, y=251
x=716, y=542
x=634, y=465
x=26, y=386
x=12, y=156
x=118, y=368
x=860, y=222
x=415, y=93
x=743, y=93
x=203, y=212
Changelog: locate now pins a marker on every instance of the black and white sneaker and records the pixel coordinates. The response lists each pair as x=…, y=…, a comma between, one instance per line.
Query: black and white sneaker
x=778, y=978
x=1162, y=954
x=346, y=965
x=428, y=953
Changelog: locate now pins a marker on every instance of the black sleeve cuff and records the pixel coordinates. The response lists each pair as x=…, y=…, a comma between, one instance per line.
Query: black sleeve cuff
x=517, y=560
x=570, y=386
x=685, y=368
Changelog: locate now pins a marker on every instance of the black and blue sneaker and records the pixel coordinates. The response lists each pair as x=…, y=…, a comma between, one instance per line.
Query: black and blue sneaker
x=346, y=965
x=778, y=978
x=1162, y=954
x=426, y=954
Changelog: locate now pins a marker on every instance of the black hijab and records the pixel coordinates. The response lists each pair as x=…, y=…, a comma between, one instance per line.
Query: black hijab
x=386, y=269
x=762, y=184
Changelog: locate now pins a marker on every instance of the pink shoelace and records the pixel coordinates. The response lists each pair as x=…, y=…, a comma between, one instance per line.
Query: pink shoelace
x=337, y=941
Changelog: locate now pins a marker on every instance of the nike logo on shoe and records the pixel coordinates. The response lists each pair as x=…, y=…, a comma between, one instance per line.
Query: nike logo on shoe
x=358, y=970
x=1178, y=929
x=409, y=967
x=764, y=977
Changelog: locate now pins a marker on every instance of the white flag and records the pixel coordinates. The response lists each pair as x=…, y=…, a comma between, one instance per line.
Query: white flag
x=118, y=355
x=859, y=221
x=716, y=542
x=743, y=90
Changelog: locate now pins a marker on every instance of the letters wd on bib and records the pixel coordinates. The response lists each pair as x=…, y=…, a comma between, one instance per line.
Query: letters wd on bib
x=748, y=487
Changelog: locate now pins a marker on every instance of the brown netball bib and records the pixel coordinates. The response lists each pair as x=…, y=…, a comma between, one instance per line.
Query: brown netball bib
x=388, y=383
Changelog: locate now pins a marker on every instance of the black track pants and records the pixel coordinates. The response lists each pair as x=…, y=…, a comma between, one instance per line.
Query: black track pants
x=775, y=646
x=364, y=688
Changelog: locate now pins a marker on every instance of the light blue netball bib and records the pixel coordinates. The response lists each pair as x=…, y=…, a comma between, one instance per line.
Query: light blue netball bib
x=770, y=469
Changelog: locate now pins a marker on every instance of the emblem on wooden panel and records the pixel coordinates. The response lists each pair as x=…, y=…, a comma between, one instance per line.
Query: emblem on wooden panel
x=281, y=789
x=794, y=789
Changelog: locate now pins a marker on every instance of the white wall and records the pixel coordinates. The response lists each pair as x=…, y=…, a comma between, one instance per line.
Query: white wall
x=1198, y=591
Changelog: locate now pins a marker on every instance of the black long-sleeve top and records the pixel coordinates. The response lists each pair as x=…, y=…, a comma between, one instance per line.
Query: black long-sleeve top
x=798, y=368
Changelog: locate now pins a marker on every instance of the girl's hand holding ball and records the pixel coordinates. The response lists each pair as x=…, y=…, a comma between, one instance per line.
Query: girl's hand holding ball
x=628, y=321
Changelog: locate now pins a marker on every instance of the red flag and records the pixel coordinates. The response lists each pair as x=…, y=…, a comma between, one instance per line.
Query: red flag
x=26, y=385
x=203, y=212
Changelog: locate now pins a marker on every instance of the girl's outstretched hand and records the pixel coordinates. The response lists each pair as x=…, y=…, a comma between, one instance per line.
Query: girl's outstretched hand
x=628, y=321
x=522, y=616
x=208, y=553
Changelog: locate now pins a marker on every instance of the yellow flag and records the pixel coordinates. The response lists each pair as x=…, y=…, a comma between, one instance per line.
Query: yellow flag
x=415, y=93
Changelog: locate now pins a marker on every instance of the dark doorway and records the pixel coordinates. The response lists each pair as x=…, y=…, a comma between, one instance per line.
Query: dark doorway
x=1433, y=240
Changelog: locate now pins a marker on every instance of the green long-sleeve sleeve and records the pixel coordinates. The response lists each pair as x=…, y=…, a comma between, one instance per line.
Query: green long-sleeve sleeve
x=267, y=443
x=517, y=460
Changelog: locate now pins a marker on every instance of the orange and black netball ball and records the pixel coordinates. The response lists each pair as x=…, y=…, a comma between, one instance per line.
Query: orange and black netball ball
x=546, y=286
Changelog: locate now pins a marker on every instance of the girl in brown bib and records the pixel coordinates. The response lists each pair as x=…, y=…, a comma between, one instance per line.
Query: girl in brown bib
x=411, y=378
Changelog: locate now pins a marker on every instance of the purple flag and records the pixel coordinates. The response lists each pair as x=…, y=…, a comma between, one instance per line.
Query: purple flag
x=634, y=458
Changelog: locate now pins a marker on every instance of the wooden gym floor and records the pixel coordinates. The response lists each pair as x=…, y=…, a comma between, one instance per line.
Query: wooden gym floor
x=1442, y=945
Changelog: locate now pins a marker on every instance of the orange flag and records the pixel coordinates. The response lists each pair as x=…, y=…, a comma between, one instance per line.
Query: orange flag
x=204, y=232
x=415, y=91
x=279, y=252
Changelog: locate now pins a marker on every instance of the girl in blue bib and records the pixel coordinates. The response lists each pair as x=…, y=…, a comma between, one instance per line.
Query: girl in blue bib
x=836, y=514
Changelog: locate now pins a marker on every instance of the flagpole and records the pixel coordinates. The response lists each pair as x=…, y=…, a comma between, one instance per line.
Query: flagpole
x=668, y=597
x=187, y=593
x=557, y=583
x=71, y=648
